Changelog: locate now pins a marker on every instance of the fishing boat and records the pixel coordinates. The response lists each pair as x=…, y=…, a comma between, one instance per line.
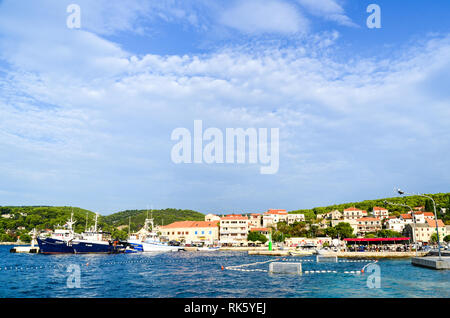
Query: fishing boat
x=96, y=241
x=146, y=240
x=60, y=241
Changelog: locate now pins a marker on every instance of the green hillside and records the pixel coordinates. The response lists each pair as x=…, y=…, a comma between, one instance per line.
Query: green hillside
x=442, y=201
x=160, y=217
x=22, y=219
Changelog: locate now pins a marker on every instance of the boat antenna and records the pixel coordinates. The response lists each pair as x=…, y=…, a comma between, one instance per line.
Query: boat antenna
x=129, y=226
x=87, y=215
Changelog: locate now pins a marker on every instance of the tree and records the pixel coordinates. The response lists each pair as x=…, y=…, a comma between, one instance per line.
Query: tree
x=433, y=238
x=447, y=239
x=388, y=233
x=331, y=232
x=278, y=236
x=256, y=236
x=119, y=234
x=344, y=230
x=313, y=231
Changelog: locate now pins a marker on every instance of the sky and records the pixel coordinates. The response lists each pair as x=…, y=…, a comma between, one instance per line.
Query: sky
x=86, y=114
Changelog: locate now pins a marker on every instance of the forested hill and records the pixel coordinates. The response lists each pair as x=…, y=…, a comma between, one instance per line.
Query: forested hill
x=442, y=201
x=160, y=217
x=19, y=220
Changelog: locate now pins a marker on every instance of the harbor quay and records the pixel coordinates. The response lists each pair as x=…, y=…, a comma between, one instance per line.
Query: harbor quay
x=433, y=262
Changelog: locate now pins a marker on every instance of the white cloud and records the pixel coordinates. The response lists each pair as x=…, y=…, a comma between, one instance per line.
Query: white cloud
x=81, y=119
x=257, y=16
x=328, y=9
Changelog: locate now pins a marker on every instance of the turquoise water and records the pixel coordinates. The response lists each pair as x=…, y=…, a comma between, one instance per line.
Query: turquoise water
x=199, y=274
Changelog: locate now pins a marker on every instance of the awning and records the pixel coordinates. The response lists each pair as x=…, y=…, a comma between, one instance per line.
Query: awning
x=378, y=239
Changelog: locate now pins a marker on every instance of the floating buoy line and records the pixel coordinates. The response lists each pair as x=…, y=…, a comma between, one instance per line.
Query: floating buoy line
x=242, y=267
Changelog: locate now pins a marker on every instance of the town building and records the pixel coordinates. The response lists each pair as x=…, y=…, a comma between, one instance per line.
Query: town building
x=368, y=224
x=255, y=220
x=273, y=216
x=420, y=217
x=192, y=232
x=234, y=229
x=334, y=215
x=212, y=217
x=424, y=231
x=381, y=213
x=395, y=224
x=263, y=230
x=407, y=218
x=316, y=242
x=354, y=213
x=294, y=217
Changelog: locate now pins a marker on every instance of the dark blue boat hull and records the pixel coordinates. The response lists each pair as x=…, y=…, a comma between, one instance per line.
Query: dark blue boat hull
x=54, y=246
x=91, y=247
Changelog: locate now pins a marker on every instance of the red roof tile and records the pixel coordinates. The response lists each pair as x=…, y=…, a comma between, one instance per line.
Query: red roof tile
x=276, y=211
x=260, y=229
x=368, y=219
x=352, y=209
x=234, y=217
x=432, y=223
x=184, y=224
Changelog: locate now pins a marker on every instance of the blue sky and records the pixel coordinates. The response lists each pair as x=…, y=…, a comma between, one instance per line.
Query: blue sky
x=86, y=114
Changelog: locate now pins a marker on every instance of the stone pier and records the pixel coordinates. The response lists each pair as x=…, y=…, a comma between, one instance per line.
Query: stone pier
x=432, y=262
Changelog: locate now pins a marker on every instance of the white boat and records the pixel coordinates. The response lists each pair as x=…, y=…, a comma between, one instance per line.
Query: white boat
x=208, y=248
x=148, y=241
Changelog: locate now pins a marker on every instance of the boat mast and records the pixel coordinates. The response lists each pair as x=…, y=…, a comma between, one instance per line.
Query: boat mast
x=129, y=226
x=71, y=222
x=95, y=227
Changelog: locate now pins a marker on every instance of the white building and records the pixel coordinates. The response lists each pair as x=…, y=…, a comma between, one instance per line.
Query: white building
x=421, y=217
x=424, y=231
x=212, y=217
x=368, y=224
x=354, y=213
x=255, y=220
x=395, y=224
x=234, y=229
x=292, y=218
x=273, y=216
x=381, y=213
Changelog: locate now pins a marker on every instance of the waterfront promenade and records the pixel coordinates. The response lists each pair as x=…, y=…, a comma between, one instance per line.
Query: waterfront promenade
x=294, y=252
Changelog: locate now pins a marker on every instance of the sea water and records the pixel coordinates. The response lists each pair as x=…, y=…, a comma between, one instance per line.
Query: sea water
x=200, y=274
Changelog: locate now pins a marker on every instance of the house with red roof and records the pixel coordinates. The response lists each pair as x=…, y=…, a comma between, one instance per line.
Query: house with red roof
x=255, y=220
x=234, y=230
x=421, y=217
x=354, y=213
x=192, y=232
x=381, y=213
x=424, y=231
x=273, y=216
x=368, y=224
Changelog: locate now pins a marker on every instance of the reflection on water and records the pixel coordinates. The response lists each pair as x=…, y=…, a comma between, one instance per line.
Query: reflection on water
x=199, y=274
